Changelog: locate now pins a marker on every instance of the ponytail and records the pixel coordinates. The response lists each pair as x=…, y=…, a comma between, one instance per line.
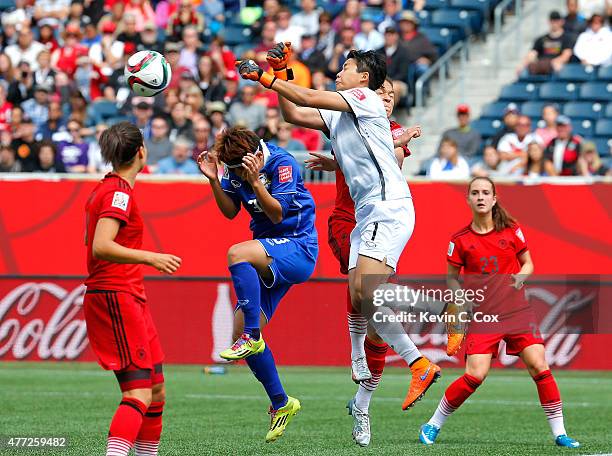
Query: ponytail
x=501, y=218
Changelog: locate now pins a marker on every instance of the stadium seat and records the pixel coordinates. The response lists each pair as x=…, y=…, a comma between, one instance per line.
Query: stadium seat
x=436, y=4
x=604, y=128
x=519, y=91
x=526, y=76
x=533, y=108
x=102, y=111
x=487, y=127
x=484, y=6
x=494, y=110
x=583, y=127
x=559, y=91
x=576, y=72
x=459, y=19
x=6, y=5
x=114, y=120
x=424, y=17
x=441, y=37
x=605, y=73
x=583, y=109
x=596, y=91
x=608, y=112
x=376, y=14
x=235, y=34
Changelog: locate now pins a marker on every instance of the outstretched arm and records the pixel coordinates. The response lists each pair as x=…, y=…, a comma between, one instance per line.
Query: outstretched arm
x=302, y=116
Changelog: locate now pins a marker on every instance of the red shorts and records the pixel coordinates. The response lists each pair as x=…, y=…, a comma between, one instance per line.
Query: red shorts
x=339, y=240
x=121, y=332
x=477, y=344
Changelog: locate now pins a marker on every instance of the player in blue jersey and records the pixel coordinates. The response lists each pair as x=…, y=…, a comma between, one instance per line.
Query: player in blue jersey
x=266, y=180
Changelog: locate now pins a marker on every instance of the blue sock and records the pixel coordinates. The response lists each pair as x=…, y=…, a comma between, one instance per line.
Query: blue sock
x=246, y=284
x=264, y=369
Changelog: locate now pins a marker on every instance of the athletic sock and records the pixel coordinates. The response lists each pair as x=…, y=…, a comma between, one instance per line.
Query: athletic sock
x=392, y=332
x=247, y=287
x=455, y=395
x=375, y=356
x=147, y=441
x=550, y=400
x=358, y=326
x=263, y=367
x=125, y=426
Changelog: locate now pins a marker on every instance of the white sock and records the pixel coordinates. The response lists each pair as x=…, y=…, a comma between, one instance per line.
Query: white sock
x=363, y=398
x=358, y=327
x=116, y=446
x=442, y=413
x=146, y=448
x=554, y=414
x=392, y=332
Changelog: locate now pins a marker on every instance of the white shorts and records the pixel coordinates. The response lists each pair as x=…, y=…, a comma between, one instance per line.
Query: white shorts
x=382, y=231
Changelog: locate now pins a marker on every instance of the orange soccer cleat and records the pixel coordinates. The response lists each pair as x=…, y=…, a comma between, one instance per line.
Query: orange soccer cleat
x=456, y=336
x=424, y=374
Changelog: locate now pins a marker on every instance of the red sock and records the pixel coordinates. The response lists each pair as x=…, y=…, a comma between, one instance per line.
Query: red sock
x=375, y=356
x=550, y=399
x=125, y=426
x=147, y=442
x=462, y=388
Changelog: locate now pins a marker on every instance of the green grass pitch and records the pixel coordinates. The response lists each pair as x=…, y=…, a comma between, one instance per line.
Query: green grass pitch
x=226, y=414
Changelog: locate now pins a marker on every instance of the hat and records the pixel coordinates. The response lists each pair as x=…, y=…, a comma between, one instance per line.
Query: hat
x=409, y=16
x=511, y=108
x=187, y=75
x=109, y=27
x=391, y=29
x=73, y=28
x=46, y=22
x=463, y=109
x=215, y=106
x=173, y=46
x=563, y=120
x=42, y=88
x=307, y=36
x=142, y=102
x=142, y=105
x=555, y=16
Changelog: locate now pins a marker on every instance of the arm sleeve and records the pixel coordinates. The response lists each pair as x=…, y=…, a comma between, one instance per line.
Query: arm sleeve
x=117, y=204
x=519, y=240
x=364, y=102
x=455, y=255
x=328, y=119
x=228, y=188
x=284, y=181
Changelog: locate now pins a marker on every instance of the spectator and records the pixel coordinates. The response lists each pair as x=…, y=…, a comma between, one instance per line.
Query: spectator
x=310, y=55
x=94, y=9
x=269, y=130
x=55, y=11
x=54, y=124
x=308, y=18
x=590, y=7
x=65, y=58
x=575, y=22
x=180, y=162
x=223, y=57
x=75, y=14
x=449, y=165
x=172, y=54
x=8, y=161
x=537, y=164
x=194, y=101
x=210, y=80
x=108, y=52
x=369, y=39
x=184, y=16
x=163, y=11
x=349, y=17
x=6, y=68
x=5, y=110
x=25, y=50
x=180, y=124
x=74, y=154
x=37, y=108
x=158, y=145
x=284, y=140
x=391, y=11
x=95, y=162
x=589, y=163
x=421, y=52
x=78, y=107
x=45, y=75
x=511, y=115
x=91, y=36
x=549, y=131
x=513, y=146
x=341, y=51
x=46, y=159
x=23, y=139
x=216, y=114
x=551, y=51
x=115, y=17
x=312, y=139
x=142, y=112
x=490, y=165
x=268, y=40
x=468, y=140
x=564, y=150
x=22, y=86
x=214, y=14
x=326, y=38
x=149, y=38
x=188, y=56
x=46, y=35
x=594, y=45
x=247, y=113
x=142, y=11
x=286, y=31
x=89, y=78
x=130, y=37
x=301, y=77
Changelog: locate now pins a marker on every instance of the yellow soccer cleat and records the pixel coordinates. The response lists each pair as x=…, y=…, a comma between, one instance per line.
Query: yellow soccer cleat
x=243, y=347
x=279, y=419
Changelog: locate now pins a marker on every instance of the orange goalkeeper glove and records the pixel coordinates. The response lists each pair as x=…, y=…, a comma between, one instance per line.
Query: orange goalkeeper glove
x=278, y=58
x=248, y=69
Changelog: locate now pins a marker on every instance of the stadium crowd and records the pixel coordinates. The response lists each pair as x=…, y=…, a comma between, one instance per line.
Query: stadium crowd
x=62, y=80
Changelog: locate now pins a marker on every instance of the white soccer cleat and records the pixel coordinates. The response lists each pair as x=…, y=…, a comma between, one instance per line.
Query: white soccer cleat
x=360, y=370
x=361, y=424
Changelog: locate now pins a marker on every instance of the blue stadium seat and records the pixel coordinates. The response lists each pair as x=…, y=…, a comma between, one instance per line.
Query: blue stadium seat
x=559, y=91
x=114, y=120
x=608, y=112
x=576, y=72
x=519, y=91
x=235, y=34
x=605, y=73
x=436, y=4
x=424, y=17
x=376, y=14
x=533, y=108
x=6, y=5
x=484, y=6
x=103, y=110
x=487, y=127
x=459, y=19
x=604, y=128
x=441, y=37
x=526, y=76
x=583, y=127
x=494, y=110
x=584, y=110
x=596, y=91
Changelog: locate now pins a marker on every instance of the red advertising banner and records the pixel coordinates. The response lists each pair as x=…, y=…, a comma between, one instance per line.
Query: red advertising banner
x=43, y=320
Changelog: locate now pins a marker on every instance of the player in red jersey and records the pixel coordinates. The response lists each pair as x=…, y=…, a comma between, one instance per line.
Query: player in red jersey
x=491, y=249
x=368, y=350
x=119, y=325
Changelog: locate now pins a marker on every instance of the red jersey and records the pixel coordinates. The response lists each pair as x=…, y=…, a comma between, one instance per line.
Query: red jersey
x=113, y=197
x=344, y=207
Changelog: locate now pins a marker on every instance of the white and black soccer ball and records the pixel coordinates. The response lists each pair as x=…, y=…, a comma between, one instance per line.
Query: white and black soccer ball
x=147, y=73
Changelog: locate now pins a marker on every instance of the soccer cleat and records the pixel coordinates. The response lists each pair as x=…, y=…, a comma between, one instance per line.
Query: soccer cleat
x=360, y=370
x=424, y=374
x=280, y=419
x=428, y=434
x=361, y=424
x=565, y=441
x=243, y=347
x=456, y=336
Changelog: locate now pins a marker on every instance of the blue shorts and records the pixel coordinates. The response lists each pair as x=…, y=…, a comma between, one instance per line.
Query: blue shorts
x=293, y=261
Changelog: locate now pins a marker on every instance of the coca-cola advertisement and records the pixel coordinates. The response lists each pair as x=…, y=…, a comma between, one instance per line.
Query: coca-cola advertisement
x=42, y=319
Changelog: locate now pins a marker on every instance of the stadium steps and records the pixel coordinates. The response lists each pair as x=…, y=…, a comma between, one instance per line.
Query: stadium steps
x=482, y=82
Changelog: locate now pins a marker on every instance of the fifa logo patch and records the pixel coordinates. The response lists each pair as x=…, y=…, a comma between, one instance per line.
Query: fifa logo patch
x=285, y=174
x=451, y=248
x=120, y=200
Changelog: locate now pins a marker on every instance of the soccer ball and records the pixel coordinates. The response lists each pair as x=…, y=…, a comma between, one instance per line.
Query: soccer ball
x=147, y=73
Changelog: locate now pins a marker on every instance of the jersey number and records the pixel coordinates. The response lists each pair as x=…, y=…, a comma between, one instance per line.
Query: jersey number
x=485, y=262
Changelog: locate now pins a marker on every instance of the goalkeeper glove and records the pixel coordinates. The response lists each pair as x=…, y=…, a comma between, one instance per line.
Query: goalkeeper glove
x=248, y=69
x=278, y=58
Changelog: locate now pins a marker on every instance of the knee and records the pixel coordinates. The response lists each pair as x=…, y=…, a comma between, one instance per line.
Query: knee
x=144, y=395
x=158, y=393
x=235, y=254
x=479, y=374
x=537, y=367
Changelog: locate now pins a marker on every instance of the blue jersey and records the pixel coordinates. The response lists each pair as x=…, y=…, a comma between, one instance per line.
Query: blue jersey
x=281, y=177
